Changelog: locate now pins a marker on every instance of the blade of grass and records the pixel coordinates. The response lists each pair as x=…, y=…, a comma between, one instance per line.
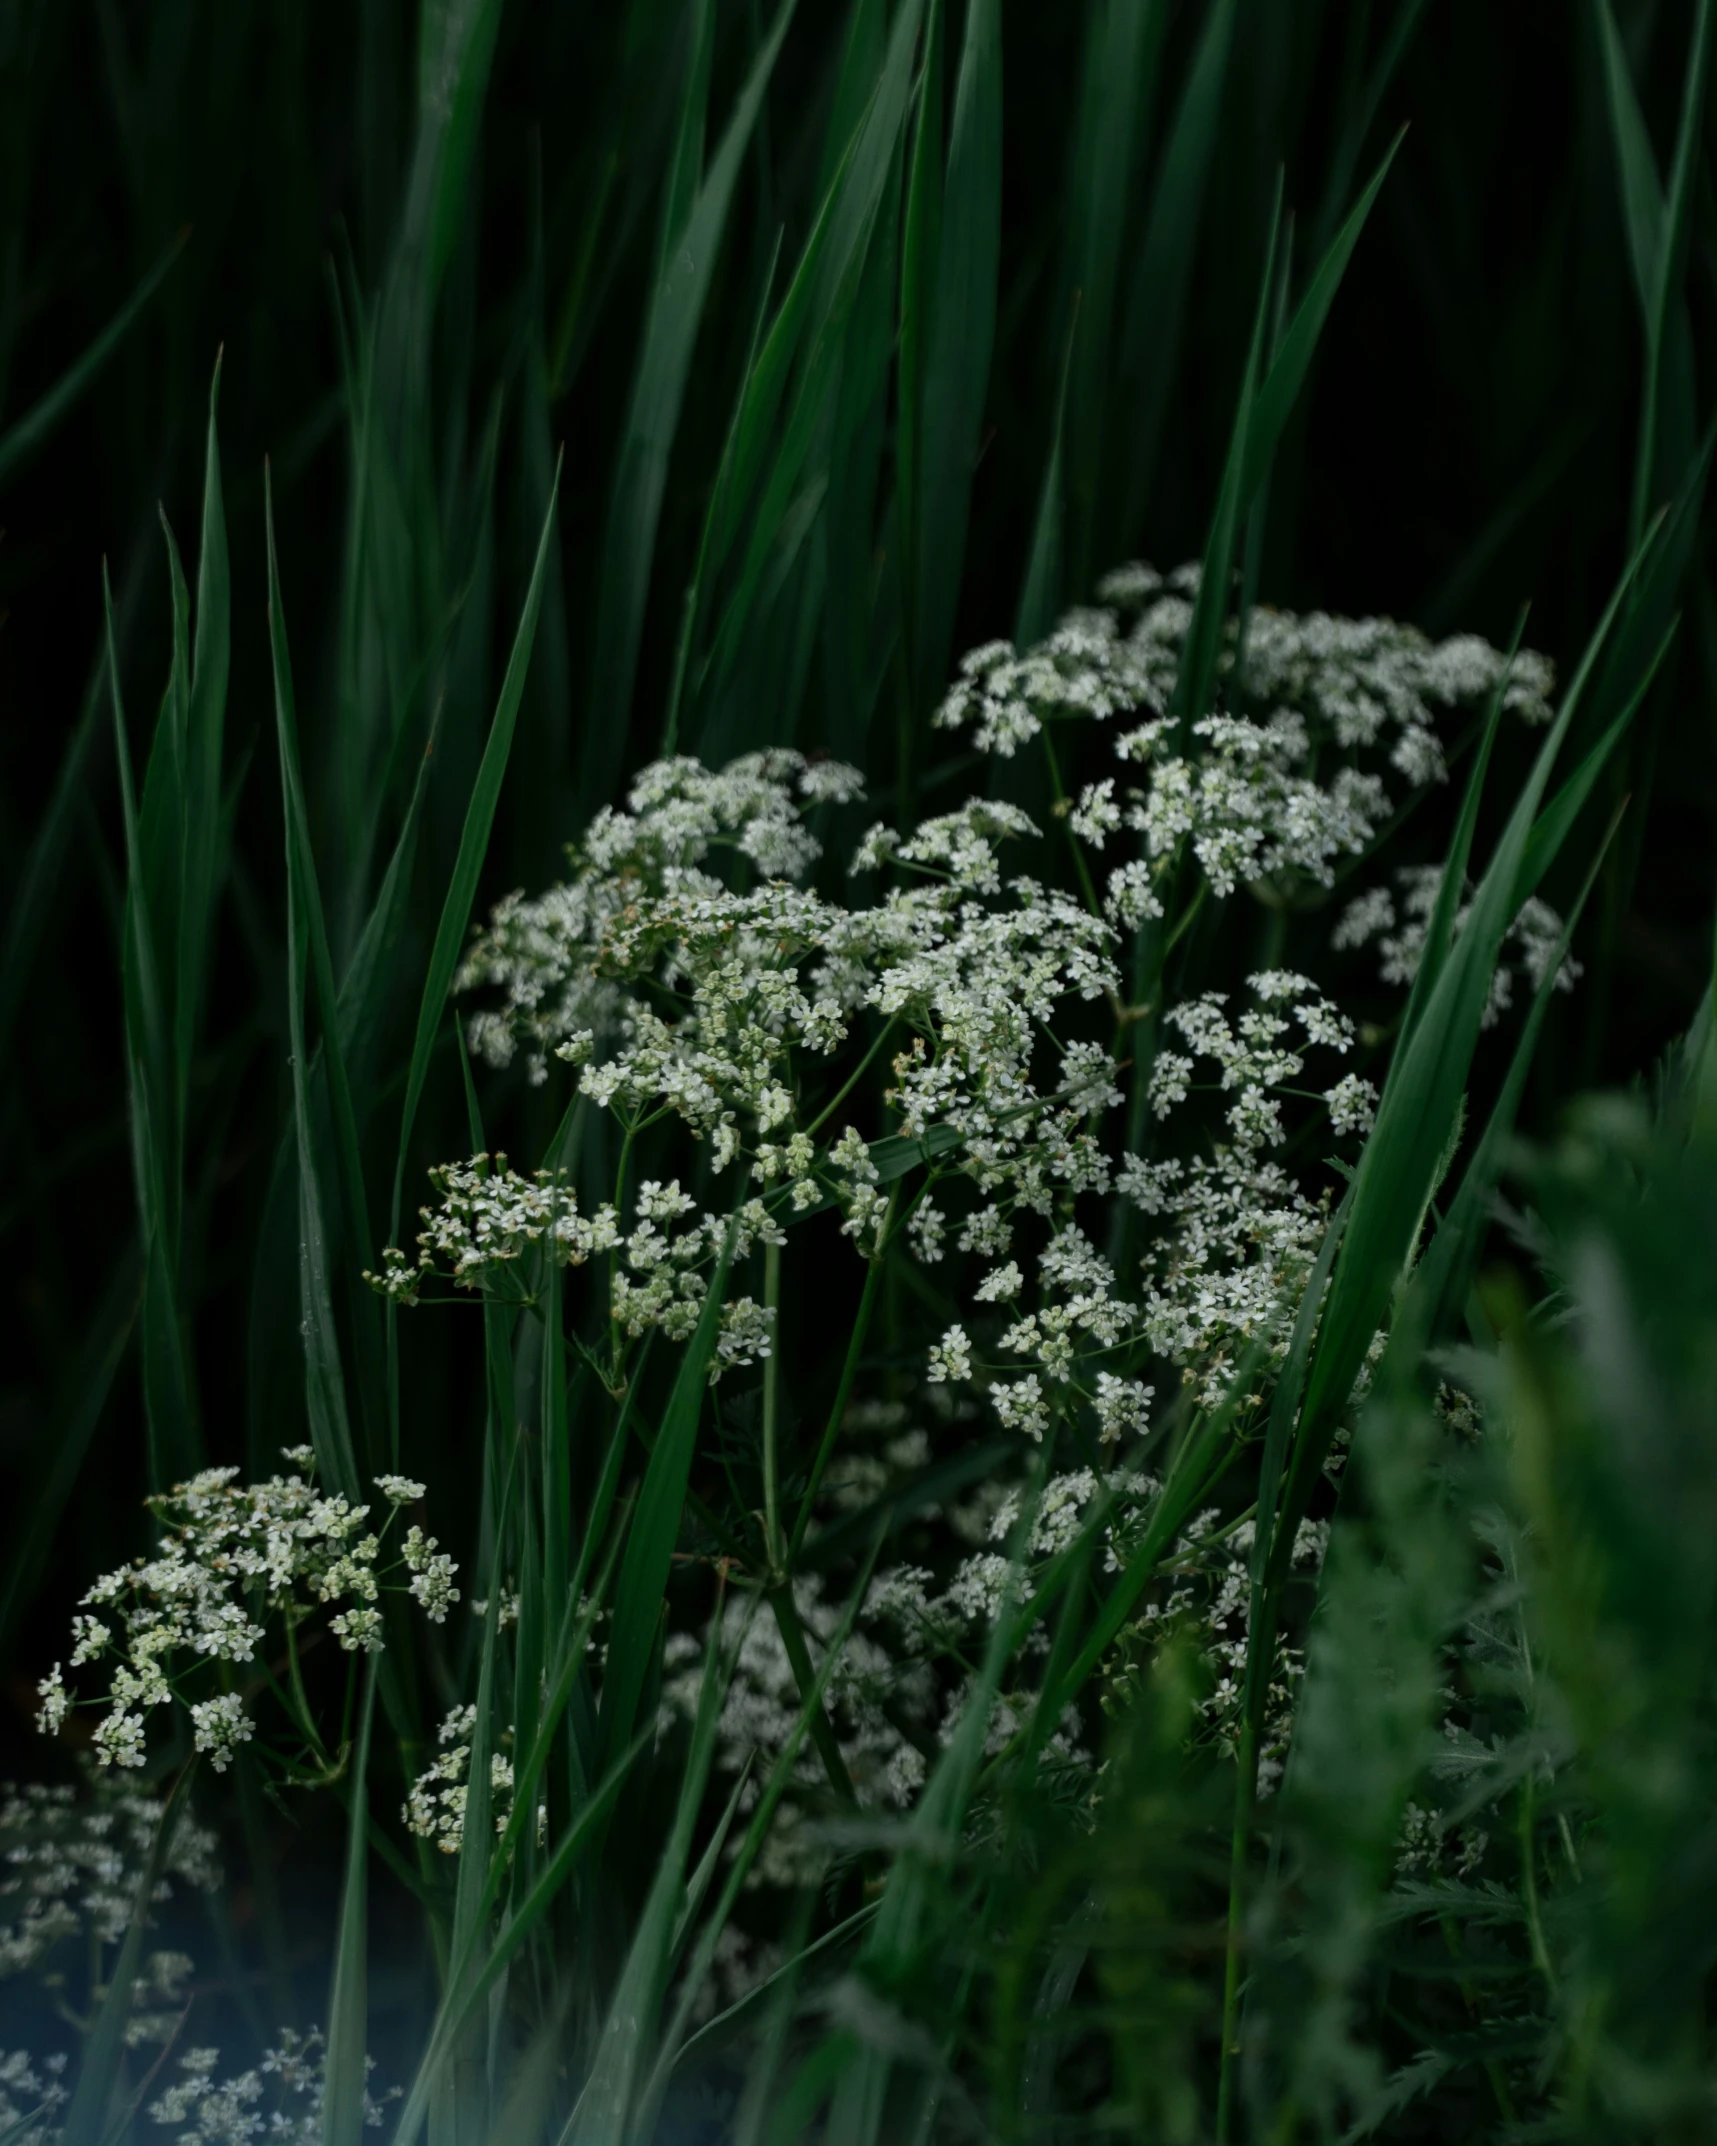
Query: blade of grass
x=104, y=2052
x=602, y=2114
x=647, y=436
x=166, y=1377
x=959, y=339
x=348, y=2005
x=210, y=665
x=1040, y=593
x=655, y=1528
x=1286, y=377
x=1658, y=232
x=1156, y=304
x=324, y=1378
x=39, y=423
x=1421, y=1096
x=1196, y=677
x=1120, y=63
x=818, y=308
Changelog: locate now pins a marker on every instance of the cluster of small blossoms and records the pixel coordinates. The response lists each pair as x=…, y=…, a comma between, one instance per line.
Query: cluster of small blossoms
x=70, y=1866
x=231, y=1557
x=1430, y=1847
x=280, y=2098
x=562, y=959
x=1263, y=1050
x=1204, y=1591
x=1247, y=785
x=1237, y=1240
x=435, y=1809
x=871, y=1691
x=486, y=1219
x=32, y=2089
x=1399, y=921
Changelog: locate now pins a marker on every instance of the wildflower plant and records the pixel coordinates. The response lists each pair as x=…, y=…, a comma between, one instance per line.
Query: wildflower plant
x=948, y=1324
x=218, y=1614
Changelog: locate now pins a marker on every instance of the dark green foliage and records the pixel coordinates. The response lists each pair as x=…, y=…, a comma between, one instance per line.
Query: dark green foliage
x=703, y=377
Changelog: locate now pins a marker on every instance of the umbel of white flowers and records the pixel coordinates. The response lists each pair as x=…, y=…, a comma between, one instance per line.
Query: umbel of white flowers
x=232, y=1561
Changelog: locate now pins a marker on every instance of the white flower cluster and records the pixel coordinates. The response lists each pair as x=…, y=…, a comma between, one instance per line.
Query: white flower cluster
x=1248, y=785
x=487, y=1218
x=546, y=954
x=280, y=2099
x=869, y=1692
x=30, y=2088
x=435, y=1808
x=1399, y=922
x=1236, y=1243
x=70, y=1865
x=1206, y=1594
x=230, y=1557
x=1264, y=1049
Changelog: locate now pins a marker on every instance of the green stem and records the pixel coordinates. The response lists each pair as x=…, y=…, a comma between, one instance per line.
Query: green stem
x=1087, y=885
x=849, y=1372
x=1529, y=1882
x=301, y=1702
x=1241, y=1835
x=823, y=1116
x=773, y=1547
x=799, y=1658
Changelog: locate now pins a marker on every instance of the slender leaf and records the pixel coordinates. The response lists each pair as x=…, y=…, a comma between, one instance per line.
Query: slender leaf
x=38, y=424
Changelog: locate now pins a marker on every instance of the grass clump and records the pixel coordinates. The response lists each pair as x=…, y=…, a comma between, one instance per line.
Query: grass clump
x=989, y=1498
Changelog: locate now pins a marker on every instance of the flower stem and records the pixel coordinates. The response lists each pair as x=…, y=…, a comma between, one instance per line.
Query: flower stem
x=774, y=1548
x=849, y=1372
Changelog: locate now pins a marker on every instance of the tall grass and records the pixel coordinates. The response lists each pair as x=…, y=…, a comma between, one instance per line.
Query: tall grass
x=869, y=337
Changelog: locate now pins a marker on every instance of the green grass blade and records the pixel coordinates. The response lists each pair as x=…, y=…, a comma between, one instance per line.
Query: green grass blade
x=473, y=844
x=476, y=1965
x=1287, y=374
x=647, y=436
x=456, y=45
x=715, y=2033
x=1445, y=1274
x=655, y=1529
x=921, y=250
x=893, y=1941
x=1642, y=189
x=1556, y=822
x=1451, y=889
x=324, y=1378
x=1195, y=680
x=1156, y=304
x=961, y=336
x=848, y=524
x=716, y=518
x=818, y=307
x=348, y=2004
x=685, y=166
x=1353, y=135
x=1668, y=397
x=1657, y=228
x=604, y=2110
x=104, y=2052
x=38, y=424
x=1415, y=1117
x=166, y=1376
x=675, y=2045
x=206, y=719
x=1123, y=51
x=1040, y=593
